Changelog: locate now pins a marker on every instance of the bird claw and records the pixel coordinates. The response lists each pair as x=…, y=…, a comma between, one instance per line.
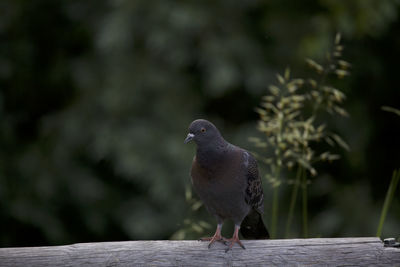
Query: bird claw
x=232, y=242
x=213, y=239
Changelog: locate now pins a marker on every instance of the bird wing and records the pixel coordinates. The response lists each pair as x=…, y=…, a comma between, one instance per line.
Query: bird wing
x=254, y=195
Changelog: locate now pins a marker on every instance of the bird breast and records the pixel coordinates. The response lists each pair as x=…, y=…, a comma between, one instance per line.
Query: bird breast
x=221, y=189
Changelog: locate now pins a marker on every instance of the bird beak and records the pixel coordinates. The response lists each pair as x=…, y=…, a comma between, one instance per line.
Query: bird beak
x=189, y=137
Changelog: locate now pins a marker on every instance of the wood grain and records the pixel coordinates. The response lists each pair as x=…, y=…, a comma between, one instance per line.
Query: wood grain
x=365, y=251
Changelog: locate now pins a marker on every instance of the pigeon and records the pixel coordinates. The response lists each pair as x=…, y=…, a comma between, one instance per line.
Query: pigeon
x=226, y=179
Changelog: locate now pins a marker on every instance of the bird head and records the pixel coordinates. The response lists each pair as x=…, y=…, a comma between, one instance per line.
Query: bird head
x=203, y=132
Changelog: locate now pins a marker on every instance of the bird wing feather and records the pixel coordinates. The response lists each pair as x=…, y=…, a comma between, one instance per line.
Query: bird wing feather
x=254, y=195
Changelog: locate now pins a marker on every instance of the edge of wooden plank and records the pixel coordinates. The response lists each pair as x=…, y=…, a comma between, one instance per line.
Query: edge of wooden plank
x=264, y=243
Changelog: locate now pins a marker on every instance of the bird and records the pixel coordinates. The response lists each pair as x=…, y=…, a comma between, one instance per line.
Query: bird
x=226, y=179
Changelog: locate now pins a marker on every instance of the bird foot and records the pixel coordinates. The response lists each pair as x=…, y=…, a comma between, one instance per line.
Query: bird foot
x=213, y=239
x=232, y=241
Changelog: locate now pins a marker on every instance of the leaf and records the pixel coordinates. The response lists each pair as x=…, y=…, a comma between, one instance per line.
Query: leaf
x=390, y=109
x=388, y=199
x=179, y=235
x=340, y=142
x=339, y=48
x=313, y=83
x=344, y=64
x=274, y=89
x=268, y=98
x=339, y=96
x=337, y=38
x=333, y=157
x=196, y=205
x=304, y=163
x=321, y=128
x=287, y=154
x=267, y=161
x=329, y=141
x=324, y=156
x=292, y=88
x=204, y=224
x=287, y=74
x=270, y=106
x=260, y=111
x=310, y=120
x=337, y=54
x=197, y=228
x=342, y=73
x=314, y=65
x=262, y=145
x=290, y=164
x=341, y=111
x=293, y=115
x=254, y=139
x=298, y=98
x=298, y=82
x=307, y=166
x=188, y=193
x=280, y=79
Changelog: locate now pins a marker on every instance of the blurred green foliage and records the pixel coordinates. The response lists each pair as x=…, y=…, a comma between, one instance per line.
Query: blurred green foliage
x=289, y=121
x=96, y=97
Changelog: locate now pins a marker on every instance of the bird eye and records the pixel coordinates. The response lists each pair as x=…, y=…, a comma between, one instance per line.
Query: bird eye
x=203, y=130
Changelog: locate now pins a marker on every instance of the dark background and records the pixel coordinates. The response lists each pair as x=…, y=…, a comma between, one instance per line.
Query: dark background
x=96, y=98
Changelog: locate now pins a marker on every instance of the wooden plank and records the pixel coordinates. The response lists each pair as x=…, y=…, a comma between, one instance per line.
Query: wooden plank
x=365, y=251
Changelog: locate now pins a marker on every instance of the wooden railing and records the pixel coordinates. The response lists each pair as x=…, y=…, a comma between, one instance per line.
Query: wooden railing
x=364, y=251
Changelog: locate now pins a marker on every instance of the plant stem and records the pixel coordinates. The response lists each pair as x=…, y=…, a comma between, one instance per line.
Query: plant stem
x=304, y=202
x=388, y=200
x=293, y=200
x=275, y=205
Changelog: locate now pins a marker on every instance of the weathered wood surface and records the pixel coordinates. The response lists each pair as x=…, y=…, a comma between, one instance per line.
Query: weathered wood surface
x=367, y=251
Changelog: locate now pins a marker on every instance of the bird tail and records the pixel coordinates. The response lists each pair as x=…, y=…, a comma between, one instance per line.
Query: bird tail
x=253, y=227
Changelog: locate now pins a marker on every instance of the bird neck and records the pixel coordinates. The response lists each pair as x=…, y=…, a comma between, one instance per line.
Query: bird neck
x=211, y=155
